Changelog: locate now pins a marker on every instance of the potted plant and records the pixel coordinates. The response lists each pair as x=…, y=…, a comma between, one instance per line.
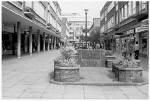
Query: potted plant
x=66, y=68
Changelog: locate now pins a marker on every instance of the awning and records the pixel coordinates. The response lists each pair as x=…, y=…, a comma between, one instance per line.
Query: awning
x=10, y=17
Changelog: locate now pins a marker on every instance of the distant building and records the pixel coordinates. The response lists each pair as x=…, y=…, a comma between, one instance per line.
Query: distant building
x=65, y=29
x=30, y=26
x=76, y=26
x=125, y=20
x=95, y=26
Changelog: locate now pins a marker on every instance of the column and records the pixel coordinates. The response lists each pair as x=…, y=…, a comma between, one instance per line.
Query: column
x=25, y=42
x=30, y=40
x=54, y=42
x=38, y=32
x=48, y=43
x=18, y=39
x=51, y=42
x=13, y=40
x=44, y=41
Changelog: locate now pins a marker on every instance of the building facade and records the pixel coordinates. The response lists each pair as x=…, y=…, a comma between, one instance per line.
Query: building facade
x=30, y=26
x=76, y=29
x=95, y=26
x=123, y=21
x=65, y=29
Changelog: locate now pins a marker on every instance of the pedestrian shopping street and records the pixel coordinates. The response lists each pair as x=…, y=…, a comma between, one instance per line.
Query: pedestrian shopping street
x=78, y=50
x=29, y=77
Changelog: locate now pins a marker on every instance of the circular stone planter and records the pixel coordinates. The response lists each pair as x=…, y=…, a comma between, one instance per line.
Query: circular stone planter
x=64, y=73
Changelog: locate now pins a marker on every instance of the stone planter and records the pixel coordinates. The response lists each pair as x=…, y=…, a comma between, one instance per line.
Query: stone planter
x=66, y=73
x=127, y=74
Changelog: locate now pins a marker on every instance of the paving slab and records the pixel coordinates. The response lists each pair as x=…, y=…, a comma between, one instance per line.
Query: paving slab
x=28, y=78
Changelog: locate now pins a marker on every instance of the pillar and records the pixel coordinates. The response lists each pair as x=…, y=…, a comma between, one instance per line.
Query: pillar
x=51, y=42
x=54, y=42
x=48, y=42
x=44, y=41
x=13, y=40
x=25, y=42
x=38, y=32
x=18, y=39
x=30, y=40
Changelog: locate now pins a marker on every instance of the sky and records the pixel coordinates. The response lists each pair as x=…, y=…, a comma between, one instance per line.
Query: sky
x=77, y=6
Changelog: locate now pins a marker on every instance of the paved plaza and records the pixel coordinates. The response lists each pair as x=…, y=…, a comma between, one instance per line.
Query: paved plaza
x=28, y=77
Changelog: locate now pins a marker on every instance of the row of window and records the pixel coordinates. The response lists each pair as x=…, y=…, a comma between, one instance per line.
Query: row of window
x=108, y=9
x=40, y=9
x=126, y=11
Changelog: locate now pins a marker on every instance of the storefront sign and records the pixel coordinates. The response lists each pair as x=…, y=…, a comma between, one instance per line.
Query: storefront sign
x=130, y=31
x=141, y=28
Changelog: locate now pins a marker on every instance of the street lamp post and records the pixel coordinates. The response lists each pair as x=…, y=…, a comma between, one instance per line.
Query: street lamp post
x=86, y=10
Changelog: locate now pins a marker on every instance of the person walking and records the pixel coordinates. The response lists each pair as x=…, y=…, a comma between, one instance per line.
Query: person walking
x=136, y=50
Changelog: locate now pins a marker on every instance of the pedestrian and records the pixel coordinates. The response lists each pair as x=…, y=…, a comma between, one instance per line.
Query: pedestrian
x=97, y=46
x=136, y=47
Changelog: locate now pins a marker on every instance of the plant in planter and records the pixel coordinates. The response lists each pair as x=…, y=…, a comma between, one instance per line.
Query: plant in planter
x=128, y=69
x=65, y=66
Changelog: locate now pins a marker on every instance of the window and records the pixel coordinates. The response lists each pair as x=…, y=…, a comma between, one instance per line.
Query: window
x=111, y=22
x=120, y=16
x=130, y=8
x=116, y=7
x=28, y=3
x=18, y=4
x=134, y=7
x=48, y=18
x=122, y=13
x=40, y=9
x=102, y=29
x=125, y=11
x=142, y=5
x=110, y=6
x=117, y=18
x=52, y=6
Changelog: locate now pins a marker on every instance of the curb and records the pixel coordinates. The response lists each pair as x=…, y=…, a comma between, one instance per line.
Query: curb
x=98, y=84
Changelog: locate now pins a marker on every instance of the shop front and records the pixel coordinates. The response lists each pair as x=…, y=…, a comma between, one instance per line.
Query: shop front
x=142, y=35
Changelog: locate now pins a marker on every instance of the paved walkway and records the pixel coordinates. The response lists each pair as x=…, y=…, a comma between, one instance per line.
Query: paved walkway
x=28, y=77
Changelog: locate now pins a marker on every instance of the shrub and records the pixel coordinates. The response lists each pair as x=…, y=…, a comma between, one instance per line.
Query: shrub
x=66, y=58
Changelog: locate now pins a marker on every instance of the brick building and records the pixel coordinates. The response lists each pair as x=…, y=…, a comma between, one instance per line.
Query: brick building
x=122, y=21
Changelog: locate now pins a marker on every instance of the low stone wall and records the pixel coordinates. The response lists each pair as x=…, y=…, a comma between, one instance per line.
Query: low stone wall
x=91, y=58
x=66, y=74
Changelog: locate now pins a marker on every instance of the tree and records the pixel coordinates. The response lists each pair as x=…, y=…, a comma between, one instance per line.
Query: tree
x=94, y=37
